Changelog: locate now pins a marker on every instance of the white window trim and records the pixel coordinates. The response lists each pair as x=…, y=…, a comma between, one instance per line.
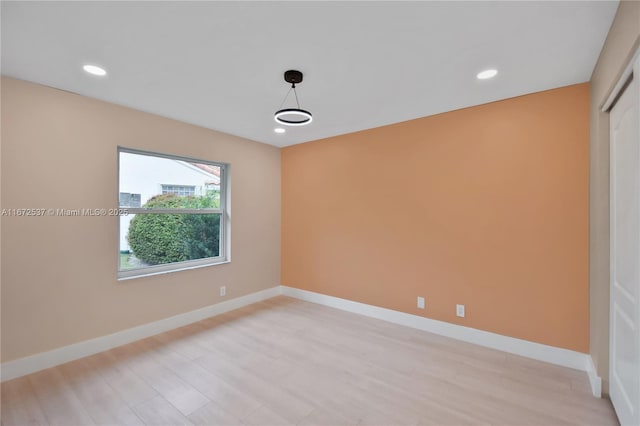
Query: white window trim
x=225, y=220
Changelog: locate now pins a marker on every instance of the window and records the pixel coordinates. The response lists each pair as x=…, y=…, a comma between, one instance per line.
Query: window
x=173, y=226
x=129, y=200
x=181, y=190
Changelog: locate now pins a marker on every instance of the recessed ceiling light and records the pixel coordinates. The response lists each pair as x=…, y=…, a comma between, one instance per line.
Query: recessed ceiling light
x=483, y=75
x=279, y=130
x=95, y=70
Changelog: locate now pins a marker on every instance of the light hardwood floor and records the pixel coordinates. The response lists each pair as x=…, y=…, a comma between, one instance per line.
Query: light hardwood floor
x=284, y=361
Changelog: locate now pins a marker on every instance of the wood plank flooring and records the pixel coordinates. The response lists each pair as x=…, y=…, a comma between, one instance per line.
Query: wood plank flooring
x=289, y=362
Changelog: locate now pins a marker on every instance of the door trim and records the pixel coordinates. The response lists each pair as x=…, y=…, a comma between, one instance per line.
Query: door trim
x=622, y=81
x=631, y=73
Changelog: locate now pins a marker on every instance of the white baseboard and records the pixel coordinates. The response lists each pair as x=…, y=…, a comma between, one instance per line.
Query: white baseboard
x=594, y=379
x=525, y=348
x=31, y=364
x=559, y=356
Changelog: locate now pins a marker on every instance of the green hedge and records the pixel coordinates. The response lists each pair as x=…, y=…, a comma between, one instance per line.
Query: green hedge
x=167, y=238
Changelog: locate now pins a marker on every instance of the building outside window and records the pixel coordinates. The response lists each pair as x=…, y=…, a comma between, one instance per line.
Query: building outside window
x=180, y=190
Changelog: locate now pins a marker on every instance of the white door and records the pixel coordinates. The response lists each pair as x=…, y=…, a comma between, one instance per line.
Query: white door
x=625, y=253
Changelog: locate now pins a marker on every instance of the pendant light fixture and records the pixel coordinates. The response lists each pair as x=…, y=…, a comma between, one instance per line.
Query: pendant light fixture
x=293, y=116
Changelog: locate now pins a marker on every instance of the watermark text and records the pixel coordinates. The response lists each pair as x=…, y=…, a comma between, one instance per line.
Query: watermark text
x=59, y=212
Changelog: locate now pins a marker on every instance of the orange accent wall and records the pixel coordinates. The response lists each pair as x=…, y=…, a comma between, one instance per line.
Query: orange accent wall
x=485, y=206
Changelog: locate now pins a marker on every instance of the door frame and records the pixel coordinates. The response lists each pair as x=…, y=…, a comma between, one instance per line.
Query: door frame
x=621, y=84
x=631, y=72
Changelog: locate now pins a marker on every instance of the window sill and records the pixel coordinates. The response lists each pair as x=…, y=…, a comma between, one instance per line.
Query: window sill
x=142, y=273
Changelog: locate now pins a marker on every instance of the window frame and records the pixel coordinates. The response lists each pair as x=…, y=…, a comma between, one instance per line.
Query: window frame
x=224, y=211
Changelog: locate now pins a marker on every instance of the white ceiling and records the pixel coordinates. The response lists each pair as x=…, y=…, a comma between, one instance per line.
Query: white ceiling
x=365, y=64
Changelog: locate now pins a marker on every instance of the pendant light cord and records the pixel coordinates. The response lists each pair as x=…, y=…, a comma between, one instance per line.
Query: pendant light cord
x=285, y=97
x=293, y=87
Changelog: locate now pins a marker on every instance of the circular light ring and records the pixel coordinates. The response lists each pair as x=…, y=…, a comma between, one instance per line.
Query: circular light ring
x=306, y=117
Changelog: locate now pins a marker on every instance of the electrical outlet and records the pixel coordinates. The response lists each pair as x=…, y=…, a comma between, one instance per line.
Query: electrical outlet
x=223, y=291
x=460, y=310
x=420, y=302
